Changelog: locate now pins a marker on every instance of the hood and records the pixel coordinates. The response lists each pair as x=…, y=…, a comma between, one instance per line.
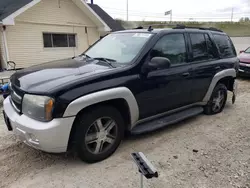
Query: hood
x=244, y=57
x=45, y=77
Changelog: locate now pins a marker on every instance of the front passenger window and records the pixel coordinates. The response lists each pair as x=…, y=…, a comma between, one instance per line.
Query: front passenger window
x=171, y=46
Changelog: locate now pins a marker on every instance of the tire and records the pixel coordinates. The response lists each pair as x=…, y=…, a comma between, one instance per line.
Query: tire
x=213, y=107
x=95, y=140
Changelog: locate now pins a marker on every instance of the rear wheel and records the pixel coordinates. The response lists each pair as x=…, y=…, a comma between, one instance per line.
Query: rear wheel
x=217, y=101
x=99, y=133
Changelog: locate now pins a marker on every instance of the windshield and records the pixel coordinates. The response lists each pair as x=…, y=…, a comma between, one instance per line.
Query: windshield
x=247, y=50
x=120, y=47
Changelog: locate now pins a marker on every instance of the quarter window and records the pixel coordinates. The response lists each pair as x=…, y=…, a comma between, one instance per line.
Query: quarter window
x=53, y=40
x=171, y=46
x=225, y=45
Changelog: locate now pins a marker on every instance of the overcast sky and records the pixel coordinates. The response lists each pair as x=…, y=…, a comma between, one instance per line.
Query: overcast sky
x=199, y=10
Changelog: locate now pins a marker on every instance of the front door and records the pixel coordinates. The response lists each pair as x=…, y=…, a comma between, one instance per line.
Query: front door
x=166, y=89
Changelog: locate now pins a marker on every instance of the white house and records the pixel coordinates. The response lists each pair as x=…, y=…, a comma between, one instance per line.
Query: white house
x=37, y=31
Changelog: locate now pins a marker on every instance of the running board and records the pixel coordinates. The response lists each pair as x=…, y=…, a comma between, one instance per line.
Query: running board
x=166, y=120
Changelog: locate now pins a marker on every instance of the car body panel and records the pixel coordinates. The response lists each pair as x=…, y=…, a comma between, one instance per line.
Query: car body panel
x=66, y=80
x=204, y=73
x=46, y=77
x=77, y=83
x=219, y=75
x=46, y=136
x=244, y=57
x=244, y=65
x=105, y=95
x=164, y=90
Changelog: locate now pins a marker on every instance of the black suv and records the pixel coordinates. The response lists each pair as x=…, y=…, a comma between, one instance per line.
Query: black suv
x=135, y=81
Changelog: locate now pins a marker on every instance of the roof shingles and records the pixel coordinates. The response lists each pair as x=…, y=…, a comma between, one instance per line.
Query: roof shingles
x=114, y=25
x=8, y=7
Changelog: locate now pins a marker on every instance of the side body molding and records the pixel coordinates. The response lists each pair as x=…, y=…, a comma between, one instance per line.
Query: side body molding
x=116, y=93
x=216, y=78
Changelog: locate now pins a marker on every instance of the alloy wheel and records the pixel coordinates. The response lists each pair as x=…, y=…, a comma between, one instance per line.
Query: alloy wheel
x=218, y=101
x=101, y=135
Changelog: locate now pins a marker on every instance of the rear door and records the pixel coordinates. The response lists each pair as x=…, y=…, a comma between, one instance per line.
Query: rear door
x=205, y=63
x=212, y=52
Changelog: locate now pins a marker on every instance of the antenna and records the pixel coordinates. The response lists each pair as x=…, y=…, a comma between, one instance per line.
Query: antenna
x=127, y=10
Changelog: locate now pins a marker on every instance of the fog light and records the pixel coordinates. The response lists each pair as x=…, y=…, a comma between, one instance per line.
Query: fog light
x=33, y=139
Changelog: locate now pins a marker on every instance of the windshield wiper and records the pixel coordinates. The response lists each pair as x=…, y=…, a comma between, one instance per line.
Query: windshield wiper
x=83, y=54
x=106, y=60
x=103, y=59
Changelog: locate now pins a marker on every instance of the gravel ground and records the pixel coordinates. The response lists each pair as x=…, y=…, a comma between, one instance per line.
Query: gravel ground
x=222, y=160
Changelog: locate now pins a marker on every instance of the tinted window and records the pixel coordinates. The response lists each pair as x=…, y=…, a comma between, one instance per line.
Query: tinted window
x=225, y=46
x=210, y=48
x=52, y=40
x=60, y=40
x=171, y=46
x=247, y=50
x=72, y=40
x=199, y=47
x=47, y=40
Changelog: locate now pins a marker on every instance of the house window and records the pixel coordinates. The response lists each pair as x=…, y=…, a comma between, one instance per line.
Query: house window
x=54, y=40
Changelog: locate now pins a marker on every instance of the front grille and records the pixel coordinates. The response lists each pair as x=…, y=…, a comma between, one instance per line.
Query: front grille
x=16, y=97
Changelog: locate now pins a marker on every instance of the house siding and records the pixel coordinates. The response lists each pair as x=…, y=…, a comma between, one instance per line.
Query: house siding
x=25, y=38
x=1, y=53
x=53, y=12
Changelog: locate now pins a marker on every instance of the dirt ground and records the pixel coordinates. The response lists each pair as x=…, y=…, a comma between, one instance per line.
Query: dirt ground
x=222, y=160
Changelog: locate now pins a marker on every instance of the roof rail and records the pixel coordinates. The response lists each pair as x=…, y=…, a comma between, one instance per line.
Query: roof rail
x=178, y=26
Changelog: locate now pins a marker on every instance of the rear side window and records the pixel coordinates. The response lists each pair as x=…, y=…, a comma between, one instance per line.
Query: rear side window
x=225, y=45
x=199, y=46
x=210, y=48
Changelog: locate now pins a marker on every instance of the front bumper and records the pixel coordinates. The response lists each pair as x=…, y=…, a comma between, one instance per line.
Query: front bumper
x=244, y=68
x=50, y=136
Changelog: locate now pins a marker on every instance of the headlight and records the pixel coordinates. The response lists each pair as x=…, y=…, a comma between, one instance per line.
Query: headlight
x=38, y=107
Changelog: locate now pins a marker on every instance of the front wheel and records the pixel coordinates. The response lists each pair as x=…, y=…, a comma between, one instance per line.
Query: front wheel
x=217, y=101
x=99, y=133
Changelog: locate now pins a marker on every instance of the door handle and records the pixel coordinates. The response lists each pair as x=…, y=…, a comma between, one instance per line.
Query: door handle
x=186, y=74
x=217, y=68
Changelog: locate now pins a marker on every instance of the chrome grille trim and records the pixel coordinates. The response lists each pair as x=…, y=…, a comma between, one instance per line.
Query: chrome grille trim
x=16, y=97
x=13, y=104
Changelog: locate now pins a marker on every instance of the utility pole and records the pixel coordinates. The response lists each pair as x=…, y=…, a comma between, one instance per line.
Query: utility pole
x=127, y=10
x=171, y=16
x=232, y=14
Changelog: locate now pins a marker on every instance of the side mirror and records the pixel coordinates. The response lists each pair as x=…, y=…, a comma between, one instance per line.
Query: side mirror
x=241, y=51
x=159, y=63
